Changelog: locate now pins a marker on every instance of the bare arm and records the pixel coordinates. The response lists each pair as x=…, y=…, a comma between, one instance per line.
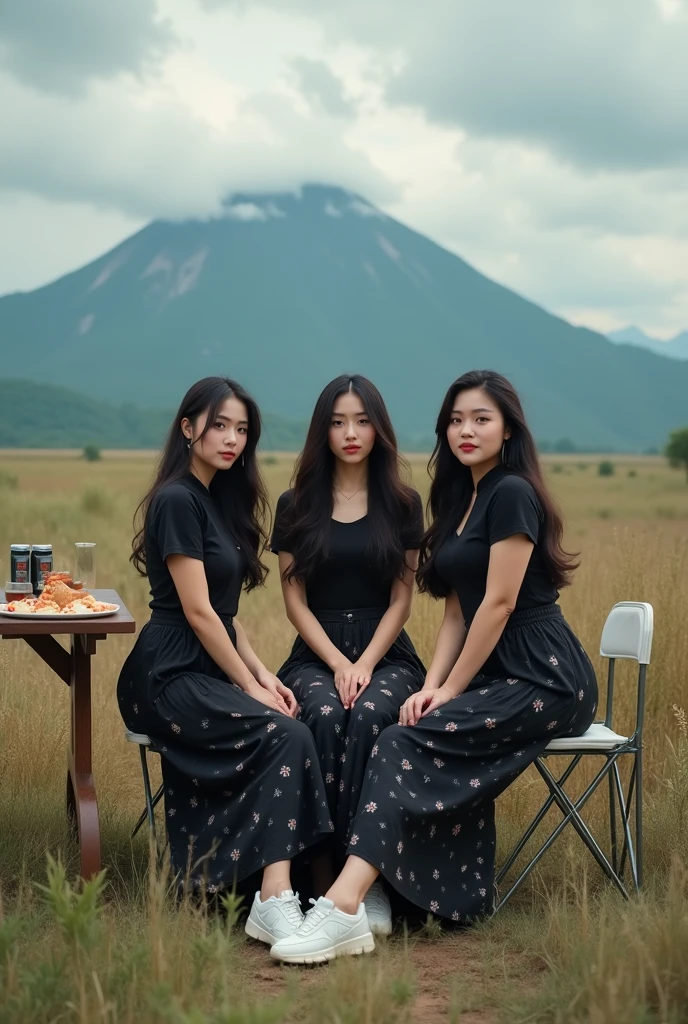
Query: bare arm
x=247, y=654
x=450, y=640
x=448, y=645
x=261, y=673
x=396, y=616
x=190, y=582
x=508, y=563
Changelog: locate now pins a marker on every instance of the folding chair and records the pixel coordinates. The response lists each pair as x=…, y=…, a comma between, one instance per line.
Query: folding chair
x=627, y=634
x=144, y=744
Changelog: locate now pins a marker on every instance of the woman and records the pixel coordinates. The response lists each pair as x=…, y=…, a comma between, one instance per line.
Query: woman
x=242, y=787
x=347, y=537
x=507, y=676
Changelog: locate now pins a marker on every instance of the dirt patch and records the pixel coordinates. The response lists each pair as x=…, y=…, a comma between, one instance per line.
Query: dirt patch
x=449, y=978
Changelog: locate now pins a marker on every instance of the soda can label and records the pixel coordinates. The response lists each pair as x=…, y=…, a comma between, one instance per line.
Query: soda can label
x=19, y=564
x=41, y=567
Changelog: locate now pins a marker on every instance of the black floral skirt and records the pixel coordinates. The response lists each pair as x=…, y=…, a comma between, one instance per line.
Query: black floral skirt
x=426, y=813
x=242, y=783
x=344, y=739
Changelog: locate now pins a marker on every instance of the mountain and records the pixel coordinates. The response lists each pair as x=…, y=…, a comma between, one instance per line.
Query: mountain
x=633, y=336
x=286, y=291
x=44, y=416
x=674, y=348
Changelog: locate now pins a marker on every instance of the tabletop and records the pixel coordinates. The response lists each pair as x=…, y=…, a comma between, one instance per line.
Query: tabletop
x=120, y=622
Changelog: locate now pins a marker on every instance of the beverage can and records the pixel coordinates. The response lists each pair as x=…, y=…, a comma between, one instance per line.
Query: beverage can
x=41, y=565
x=20, y=570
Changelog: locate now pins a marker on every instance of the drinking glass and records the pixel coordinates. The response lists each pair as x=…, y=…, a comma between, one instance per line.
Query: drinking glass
x=85, y=564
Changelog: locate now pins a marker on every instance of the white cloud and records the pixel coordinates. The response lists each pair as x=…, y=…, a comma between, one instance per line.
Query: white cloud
x=601, y=84
x=59, y=46
x=318, y=84
x=150, y=156
x=542, y=142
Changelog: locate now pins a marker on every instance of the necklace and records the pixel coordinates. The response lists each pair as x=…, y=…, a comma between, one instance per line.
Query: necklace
x=348, y=496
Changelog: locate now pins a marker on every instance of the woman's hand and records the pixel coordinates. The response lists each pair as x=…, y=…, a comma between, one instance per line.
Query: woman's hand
x=421, y=704
x=365, y=674
x=284, y=696
x=346, y=680
x=267, y=697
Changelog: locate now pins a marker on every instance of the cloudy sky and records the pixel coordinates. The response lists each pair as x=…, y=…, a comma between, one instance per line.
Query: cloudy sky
x=546, y=141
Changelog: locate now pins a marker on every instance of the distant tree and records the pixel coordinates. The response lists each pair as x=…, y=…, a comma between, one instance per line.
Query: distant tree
x=676, y=449
x=91, y=453
x=564, y=446
x=606, y=468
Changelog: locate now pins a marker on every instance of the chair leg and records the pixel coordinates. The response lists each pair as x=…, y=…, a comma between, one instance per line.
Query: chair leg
x=570, y=809
x=625, y=805
x=150, y=809
x=639, y=813
x=144, y=813
x=571, y=816
x=532, y=828
x=612, y=825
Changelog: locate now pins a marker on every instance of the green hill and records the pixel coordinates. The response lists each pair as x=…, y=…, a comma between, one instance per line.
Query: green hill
x=285, y=292
x=44, y=416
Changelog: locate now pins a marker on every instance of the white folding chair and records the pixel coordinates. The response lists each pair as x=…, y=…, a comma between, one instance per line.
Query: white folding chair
x=144, y=743
x=627, y=635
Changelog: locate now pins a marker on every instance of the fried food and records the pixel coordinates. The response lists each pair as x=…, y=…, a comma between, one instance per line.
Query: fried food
x=57, y=590
x=27, y=605
x=60, y=598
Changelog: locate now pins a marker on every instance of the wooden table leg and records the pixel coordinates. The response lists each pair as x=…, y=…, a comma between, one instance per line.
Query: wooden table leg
x=82, y=805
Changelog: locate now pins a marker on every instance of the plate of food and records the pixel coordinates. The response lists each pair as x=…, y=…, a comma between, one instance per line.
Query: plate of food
x=60, y=599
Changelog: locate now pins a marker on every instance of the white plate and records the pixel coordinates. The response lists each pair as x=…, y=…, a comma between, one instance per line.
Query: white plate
x=58, y=617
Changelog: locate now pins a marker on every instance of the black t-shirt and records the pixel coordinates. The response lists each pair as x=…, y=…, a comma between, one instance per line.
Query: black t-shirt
x=184, y=519
x=505, y=505
x=349, y=576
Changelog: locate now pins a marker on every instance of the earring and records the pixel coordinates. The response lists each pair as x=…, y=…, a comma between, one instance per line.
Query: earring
x=243, y=463
x=504, y=452
x=188, y=443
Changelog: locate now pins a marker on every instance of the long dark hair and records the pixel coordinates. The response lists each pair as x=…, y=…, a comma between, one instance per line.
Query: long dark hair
x=240, y=493
x=390, y=499
x=452, y=482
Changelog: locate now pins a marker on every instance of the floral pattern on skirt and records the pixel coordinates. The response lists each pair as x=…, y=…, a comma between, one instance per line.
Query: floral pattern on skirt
x=344, y=739
x=426, y=814
x=242, y=783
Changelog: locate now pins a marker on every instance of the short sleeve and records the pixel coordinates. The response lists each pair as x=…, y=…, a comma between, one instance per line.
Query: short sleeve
x=413, y=529
x=280, y=529
x=177, y=523
x=514, y=508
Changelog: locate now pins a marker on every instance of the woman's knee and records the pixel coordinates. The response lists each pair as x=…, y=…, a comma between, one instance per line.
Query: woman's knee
x=389, y=738
x=297, y=734
x=326, y=717
x=371, y=718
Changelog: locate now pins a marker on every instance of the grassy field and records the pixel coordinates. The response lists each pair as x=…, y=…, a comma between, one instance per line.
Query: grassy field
x=567, y=949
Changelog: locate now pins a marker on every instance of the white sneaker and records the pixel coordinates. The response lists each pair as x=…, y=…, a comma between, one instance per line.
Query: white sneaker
x=326, y=932
x=276, y=918
x=378, y=909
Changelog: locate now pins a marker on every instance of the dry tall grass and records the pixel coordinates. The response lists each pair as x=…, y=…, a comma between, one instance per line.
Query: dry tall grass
x=567, y=950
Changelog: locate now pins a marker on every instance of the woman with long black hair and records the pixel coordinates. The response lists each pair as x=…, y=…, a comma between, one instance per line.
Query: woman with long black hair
x=347, y=535
x=507, y=676
x=243, y=790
